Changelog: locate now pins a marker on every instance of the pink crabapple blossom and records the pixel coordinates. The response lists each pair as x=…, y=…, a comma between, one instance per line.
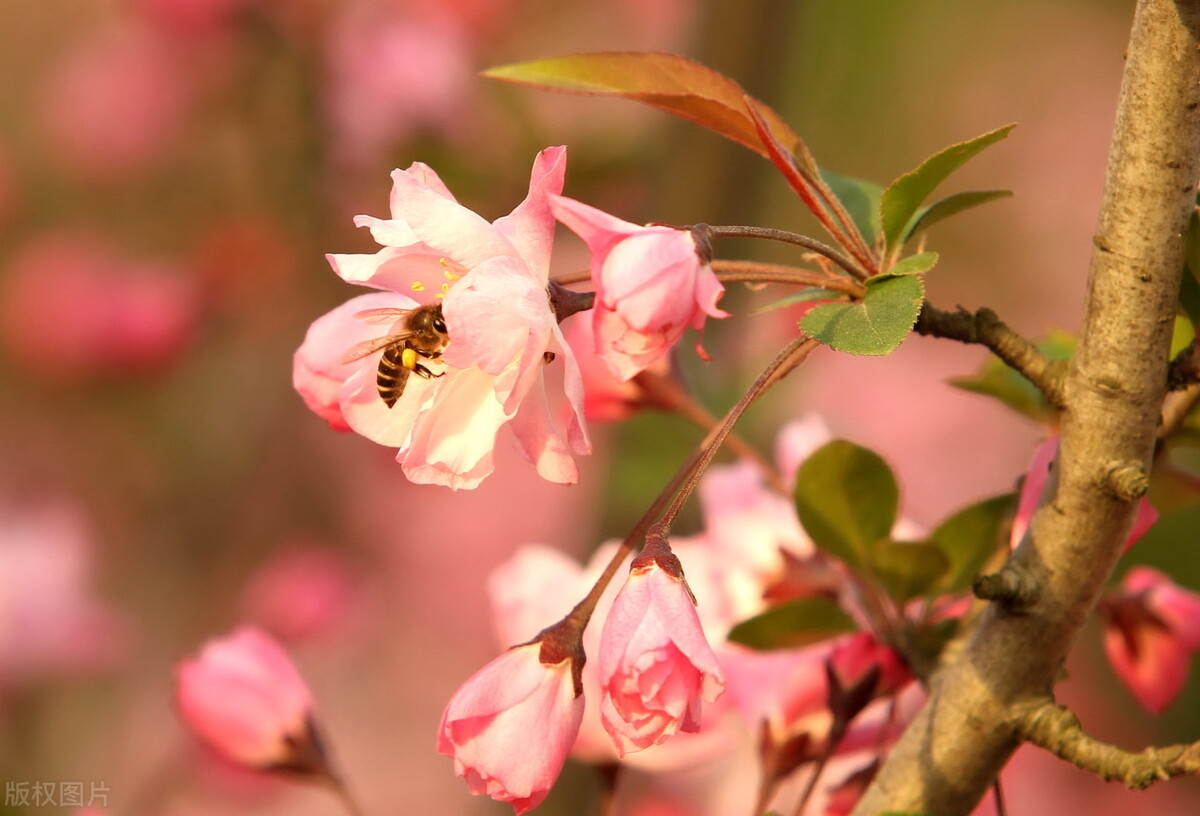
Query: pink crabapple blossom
x=244, y=698
x=656, y=666
x=1152, y=631
x=499, y=319
x=652, y=282
x=510, y=726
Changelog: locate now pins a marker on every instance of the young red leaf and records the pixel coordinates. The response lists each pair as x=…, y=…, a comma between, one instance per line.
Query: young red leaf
x=667, y=81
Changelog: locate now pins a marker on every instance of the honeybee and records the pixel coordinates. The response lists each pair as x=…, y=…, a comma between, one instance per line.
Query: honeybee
x=422, y=337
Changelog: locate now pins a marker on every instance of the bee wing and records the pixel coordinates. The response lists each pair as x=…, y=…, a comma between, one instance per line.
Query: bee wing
x=385, y=314
x=366, y=347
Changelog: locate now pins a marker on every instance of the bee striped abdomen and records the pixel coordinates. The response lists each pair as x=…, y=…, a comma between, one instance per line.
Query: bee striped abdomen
x=392, y=374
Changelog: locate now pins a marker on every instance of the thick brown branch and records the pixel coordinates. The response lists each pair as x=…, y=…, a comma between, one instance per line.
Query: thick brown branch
x=1112, y=394
x=986, y=329
x=1057, y=729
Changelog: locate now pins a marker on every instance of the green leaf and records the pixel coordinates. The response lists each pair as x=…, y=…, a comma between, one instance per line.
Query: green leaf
x=906, y=194
x=846, y=497
x=1189, y=296
x=1189, y=285
x=926, y=217
x=1191, y=247
x=970, y=537
x=794, y=623
x=875, y=326
x=803, y=296
x=908, y=569
x=995, y=379
x=917, y=264
x=1183, y=333
x=860, y=198
x=666, y=81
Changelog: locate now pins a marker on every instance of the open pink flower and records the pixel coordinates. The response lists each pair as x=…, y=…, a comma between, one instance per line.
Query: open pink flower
x=1152, y=630
x=244, y=698
x=502, y=332
x=655, y=664
x=1031, y=493
x=651, y=284
x=510, y=726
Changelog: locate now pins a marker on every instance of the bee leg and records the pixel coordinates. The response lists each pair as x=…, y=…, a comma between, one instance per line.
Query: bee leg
x=424, y=373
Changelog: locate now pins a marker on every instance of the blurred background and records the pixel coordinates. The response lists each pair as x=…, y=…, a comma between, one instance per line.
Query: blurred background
x=172, y=173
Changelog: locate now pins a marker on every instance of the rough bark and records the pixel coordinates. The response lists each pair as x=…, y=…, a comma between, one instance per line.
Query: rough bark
x=951, y=753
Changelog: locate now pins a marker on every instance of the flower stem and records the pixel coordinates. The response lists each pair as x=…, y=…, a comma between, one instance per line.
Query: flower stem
x=664, y=392
x=852, y=267
x=758, y=272
x=338, y=788
x=792, y=355
x=684, y=482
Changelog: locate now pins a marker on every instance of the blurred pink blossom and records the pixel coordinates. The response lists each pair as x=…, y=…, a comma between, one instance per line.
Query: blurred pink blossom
x=655, y=664
x=50, y=622
x=845, y=794
x=195, y=18
x=510, y=726
x=74, y=308
x=243, y=697
x=1031, y=493
x=651, y=283
x=116, y=103
x=304, y=592
x=392, y=73
x=1152, y=631
x=500, y=325
x=852, y=657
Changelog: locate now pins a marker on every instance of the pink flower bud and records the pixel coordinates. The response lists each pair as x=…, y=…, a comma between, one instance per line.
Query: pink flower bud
x=509, y=728
x=655, y=663
x=651, y=284
x=1152, y=629
x=244, y=698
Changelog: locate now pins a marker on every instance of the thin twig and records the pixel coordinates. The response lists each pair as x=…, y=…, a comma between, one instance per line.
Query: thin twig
x=1057, y=729
x=852, y=267
x=1176, y=408
x=792, y=355
x=759, y=272
x=986, y=329
x=666, y=393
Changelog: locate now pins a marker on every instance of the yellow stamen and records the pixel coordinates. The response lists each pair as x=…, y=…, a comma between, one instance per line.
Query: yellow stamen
x=417, y=286
x=453, y=270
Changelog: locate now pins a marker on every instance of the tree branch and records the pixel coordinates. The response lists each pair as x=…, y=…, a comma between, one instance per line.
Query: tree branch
x=1112, y=395
x=986, y=329
x=1058, y=730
